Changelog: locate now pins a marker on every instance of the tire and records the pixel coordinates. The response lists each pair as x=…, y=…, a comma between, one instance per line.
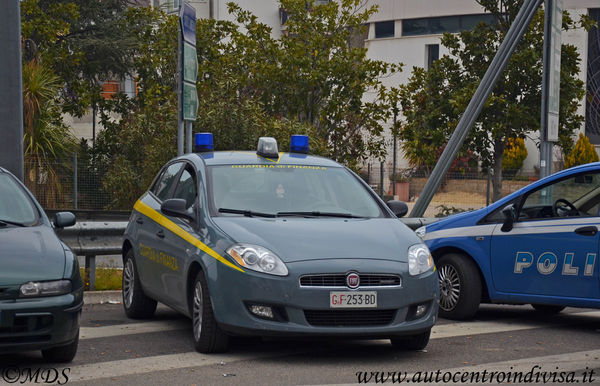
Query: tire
x=136, y=304
x=208, y=336
x=411, y=342
x=62, y=354
x=460, y=287
x=548, y=309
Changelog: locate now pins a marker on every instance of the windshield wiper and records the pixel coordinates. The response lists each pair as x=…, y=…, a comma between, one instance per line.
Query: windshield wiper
x=4, y=223
x=247, y=213
x=317, y=214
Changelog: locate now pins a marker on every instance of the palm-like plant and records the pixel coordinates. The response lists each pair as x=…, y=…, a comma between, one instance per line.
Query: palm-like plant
x=47, y=139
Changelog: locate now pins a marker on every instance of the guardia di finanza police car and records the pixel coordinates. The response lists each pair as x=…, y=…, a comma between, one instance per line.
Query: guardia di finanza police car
x=538, y=245
x=268, y=243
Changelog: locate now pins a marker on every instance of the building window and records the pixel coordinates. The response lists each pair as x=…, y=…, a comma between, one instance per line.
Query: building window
x=385, y=29
x=592, y=106
x=440, y=25
x=432, y=53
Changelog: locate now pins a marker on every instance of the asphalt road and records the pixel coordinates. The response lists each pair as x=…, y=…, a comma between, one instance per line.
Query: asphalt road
x=117, y=351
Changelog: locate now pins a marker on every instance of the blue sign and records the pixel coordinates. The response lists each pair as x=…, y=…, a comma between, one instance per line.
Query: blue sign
x=188, y=23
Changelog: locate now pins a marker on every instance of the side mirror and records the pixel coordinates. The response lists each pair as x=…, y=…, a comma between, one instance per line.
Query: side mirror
x=176, y=207
x=510, y=215
x=64, y=219
x=398, y=207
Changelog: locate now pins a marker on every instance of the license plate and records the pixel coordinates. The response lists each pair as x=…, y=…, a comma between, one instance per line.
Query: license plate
x=353, y=299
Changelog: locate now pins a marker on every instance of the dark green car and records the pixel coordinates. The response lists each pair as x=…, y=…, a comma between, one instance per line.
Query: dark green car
x=41, y=291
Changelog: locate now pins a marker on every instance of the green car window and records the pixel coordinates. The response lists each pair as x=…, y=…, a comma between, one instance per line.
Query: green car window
x=15, y=205
x=290, y=188
x=167, y=180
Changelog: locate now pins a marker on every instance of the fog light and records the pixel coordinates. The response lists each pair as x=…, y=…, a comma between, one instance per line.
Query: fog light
x=262, y=311
x=421, y=308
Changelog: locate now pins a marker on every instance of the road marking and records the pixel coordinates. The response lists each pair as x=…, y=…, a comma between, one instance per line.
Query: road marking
x=565, y=362
x=438, y=332
x=134, y=328
x=490, y=327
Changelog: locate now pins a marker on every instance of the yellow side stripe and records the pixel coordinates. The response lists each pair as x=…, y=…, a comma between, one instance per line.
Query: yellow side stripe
x=170, y=225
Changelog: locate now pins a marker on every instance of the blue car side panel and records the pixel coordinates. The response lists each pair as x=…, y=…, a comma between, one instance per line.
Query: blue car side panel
x=538, y=261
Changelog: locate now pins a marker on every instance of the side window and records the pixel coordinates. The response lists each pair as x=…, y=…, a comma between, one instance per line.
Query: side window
x=496, y=216
x=577, y=195
x=187, y=188
x=166, y=181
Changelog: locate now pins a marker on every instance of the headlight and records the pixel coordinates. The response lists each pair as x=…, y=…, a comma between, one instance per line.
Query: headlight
x=421, y=231
x=419, y=259
x=45, y=288
x=258, y=259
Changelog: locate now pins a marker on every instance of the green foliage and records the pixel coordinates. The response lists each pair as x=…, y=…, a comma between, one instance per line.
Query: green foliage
x=310, y=80
x=583, y=153
x=46, y=138
x=445, y=211
x=514, y=155
x=83, y=42
x=434, y=99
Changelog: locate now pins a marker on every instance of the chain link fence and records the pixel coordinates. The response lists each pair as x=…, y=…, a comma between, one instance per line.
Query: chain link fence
x=71, y=183
x=459, y=191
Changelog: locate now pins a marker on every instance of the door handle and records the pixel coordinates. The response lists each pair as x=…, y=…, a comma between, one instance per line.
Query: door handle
x=587, y=231
x=139, y=220
x=160, y=234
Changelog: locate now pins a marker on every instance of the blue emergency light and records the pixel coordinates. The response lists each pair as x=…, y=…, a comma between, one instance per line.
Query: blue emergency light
x=203, y=142
x=299, y=144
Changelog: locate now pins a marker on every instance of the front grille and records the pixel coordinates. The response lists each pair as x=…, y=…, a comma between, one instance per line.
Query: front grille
x=339, y=280
x=349, y=318
x=24, y=324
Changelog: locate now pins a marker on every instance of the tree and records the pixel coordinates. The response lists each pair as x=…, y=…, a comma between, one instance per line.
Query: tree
x=83, y=42
x=434, y=99
x=312, y=80
x=46, y=138
x=133, y=147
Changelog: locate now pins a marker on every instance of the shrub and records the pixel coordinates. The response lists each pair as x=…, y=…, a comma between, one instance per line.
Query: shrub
x=583, y=153
x=513, y=157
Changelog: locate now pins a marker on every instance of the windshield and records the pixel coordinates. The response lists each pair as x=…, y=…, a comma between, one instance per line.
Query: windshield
x=288, y=190
x=15, y=206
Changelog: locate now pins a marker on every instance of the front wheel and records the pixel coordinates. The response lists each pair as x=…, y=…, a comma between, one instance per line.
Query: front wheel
x=136, y=304
x=208, y=336
x=411, y=342
x=460, y=287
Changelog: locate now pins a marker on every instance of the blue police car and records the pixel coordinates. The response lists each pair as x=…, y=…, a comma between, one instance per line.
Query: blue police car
x=536, y=246
x=269, y=243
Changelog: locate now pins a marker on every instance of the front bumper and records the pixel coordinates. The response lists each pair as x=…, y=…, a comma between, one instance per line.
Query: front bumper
x=305, y=311
x=39, y=323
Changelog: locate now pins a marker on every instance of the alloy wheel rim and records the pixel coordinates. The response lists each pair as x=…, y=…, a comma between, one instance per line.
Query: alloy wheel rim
x=449, y=287
x=197, y=312
x=128, y=283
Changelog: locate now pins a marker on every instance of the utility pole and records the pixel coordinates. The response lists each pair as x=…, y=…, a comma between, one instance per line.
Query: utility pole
x=11, y=97
x=550, y=83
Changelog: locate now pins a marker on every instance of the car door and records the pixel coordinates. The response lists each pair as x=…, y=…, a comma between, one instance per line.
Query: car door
x=179, y=252
x=151, y=234
x=552, y=247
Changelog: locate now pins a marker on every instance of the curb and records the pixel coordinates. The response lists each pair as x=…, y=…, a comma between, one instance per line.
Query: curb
x=102, y=297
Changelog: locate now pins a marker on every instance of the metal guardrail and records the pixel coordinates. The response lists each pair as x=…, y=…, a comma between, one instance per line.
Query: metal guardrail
x=97, y=238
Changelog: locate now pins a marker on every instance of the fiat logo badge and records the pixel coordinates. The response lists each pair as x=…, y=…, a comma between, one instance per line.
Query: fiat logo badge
x=352, y=280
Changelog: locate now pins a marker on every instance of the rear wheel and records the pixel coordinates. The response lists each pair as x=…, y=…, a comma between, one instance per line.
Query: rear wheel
x=208, y=336
x=136, y=304
x=549, y=309
x=460, y=287
x=62, y=354
x=411, y=342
